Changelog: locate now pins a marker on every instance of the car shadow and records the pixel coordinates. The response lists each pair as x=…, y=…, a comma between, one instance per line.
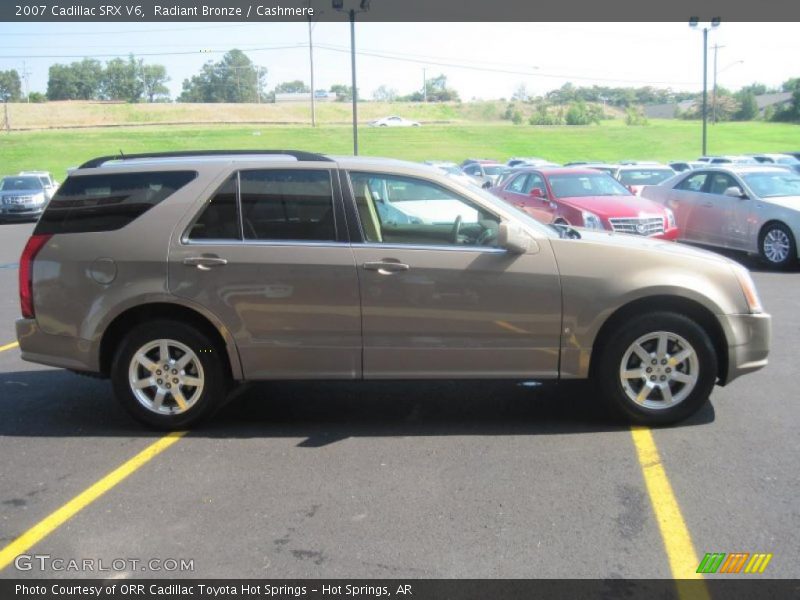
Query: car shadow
x=56, y=403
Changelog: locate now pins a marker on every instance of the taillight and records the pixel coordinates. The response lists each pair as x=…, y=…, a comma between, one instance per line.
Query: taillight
x=35, y=243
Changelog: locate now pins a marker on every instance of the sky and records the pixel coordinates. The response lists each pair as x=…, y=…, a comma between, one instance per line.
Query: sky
x=480, y=60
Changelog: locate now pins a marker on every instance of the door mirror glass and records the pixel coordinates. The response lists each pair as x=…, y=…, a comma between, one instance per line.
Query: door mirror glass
x=513, y=238
x=734, y=192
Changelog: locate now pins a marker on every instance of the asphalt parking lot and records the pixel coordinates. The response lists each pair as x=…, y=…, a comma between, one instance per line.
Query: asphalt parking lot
x=407, y=480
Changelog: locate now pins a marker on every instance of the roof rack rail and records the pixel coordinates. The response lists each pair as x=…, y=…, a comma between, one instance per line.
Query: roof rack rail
x=298, y=154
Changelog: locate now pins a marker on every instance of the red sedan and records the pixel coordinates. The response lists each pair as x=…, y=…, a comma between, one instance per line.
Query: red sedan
x=586, y=198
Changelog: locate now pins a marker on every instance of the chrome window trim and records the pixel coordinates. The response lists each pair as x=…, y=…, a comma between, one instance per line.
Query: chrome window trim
x=211, y=242
x=448, y=248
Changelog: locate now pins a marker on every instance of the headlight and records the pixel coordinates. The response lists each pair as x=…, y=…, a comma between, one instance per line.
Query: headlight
x=40, y=198
x=748, y=289
x=591, y=220
x=670, y=218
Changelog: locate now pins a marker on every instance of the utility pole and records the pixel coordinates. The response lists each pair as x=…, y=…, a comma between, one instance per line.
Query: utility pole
x=424, y=85
x=311, y=62
x=705, y=89
x=354, y=90
x=25, y=74
x=714, y=86
x=6, y=121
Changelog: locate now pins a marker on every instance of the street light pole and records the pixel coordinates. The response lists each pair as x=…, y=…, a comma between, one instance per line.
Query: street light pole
x=311, y=62
x=354, y=88
x=705, y=89
x=714, y=87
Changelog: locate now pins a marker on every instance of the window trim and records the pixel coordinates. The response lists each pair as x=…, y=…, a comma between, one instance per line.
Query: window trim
x=336, y=202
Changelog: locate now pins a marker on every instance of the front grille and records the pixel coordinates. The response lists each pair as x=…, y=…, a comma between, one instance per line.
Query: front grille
x=638, y=225
x=11, y=200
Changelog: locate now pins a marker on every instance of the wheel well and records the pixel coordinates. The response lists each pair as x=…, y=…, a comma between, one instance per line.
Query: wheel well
x=125, y=321
x=689, y=308
x=772, y=222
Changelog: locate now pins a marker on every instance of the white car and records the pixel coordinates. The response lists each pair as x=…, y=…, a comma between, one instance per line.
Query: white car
x=452, y=170
x=394, y=121
x=50, y=185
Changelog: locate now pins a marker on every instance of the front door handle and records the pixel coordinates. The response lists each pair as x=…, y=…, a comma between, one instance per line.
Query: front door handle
x=386, y=267
x=205, y=263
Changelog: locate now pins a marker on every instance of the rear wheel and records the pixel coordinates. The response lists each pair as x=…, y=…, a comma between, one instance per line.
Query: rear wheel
x=776, y=245
x=657, y=369
x=168, y=375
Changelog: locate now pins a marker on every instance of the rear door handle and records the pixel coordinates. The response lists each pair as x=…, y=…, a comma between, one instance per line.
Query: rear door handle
x=205, y=263
x=385, y=267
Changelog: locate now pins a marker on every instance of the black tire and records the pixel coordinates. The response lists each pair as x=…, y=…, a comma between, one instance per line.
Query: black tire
x=212, y=373
x=615, y=348
x=779, y=230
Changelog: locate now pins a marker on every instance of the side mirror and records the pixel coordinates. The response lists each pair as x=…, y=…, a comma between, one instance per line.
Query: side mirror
x=537, y=193
x=511, y=237
x=734, y=192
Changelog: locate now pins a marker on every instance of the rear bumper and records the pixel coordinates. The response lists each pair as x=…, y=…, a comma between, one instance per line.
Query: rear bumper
x=748, y=343
x=55, y=350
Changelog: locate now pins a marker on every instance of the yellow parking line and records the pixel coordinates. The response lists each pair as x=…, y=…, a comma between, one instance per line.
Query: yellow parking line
x=9, y=346
x=53, y=521
x=677, y=541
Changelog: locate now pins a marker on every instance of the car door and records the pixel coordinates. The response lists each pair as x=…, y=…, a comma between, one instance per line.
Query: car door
x=738, y=220
x=520, y=193
x=718, y=210
x=269, y=257
x=686, y=201
x=439, y=298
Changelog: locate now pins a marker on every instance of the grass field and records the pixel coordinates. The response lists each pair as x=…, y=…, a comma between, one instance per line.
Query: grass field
x=56, y=150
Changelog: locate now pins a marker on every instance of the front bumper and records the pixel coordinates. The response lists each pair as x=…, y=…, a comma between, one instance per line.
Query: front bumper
x=56, y=350
x=20, y=213
x=748, y=344
x=669, y=234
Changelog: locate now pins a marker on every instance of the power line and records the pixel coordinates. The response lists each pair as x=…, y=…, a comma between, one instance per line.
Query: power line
x=119, y=31
x=125, y=54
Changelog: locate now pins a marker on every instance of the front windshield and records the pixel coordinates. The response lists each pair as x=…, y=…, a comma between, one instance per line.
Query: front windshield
x=585, y=184
x=773, y=185
x=494, y=170
x=645, y=176
x=20, y=183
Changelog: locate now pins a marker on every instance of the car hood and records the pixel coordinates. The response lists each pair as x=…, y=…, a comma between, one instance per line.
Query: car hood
x=615, y=206
x=790, y=202
x=638, y=243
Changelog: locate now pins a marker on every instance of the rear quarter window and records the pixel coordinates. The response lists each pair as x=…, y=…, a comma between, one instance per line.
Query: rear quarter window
x=107, y=202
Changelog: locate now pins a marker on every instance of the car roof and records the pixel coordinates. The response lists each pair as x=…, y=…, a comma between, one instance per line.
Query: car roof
x=559, y=170
x=743, y=169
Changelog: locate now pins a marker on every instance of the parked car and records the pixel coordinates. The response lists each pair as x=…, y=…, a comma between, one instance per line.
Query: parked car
x=451, y=169
x=22, y=197
x=635, y=177
x=394, y=121
x=602, y=167
x=730, y=159
x=586, y=198
x=780, y=160
x=50, y=185
x=484, y=172
x=755, y=209
x=530, y=161
x=177, y=275
x=679, y=166
x=795, y=154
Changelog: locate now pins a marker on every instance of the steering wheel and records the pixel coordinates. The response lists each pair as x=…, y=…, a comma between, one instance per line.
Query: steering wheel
x=455, y=230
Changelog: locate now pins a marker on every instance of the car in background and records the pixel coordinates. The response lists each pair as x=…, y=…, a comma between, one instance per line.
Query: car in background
x=484, y=173
x=795, y=154
x=22, y=197
x=639, y=162
x=50, y=185
x=451, y=169
x=752, y=208
x=530, y=161
x=729, y=159
x=635, y=177
x=602, y=167
x=779, y=160
x=679, y=166
x=585, y=198
x=394, y=121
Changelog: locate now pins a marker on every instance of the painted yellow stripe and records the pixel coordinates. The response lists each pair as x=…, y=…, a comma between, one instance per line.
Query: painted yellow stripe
x=9, y=346
x=677, y=541
x=52, y=522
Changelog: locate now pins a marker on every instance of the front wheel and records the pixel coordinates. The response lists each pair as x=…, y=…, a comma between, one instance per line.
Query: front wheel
x=657, y=369
x=168, y=375
x=776, y=245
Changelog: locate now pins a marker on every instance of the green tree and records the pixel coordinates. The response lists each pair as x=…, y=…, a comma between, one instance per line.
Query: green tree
x=292, y=87
x=76, y=81
x=122, y=80
x=10, y=86
x=578, y=114
x=154, y=79
x=233, y=79
x=344, y=93
x=635, y=116
x=384, y=94
x=748, y=107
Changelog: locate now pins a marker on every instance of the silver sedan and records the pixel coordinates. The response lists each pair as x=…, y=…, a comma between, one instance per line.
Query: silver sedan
x=741, y=207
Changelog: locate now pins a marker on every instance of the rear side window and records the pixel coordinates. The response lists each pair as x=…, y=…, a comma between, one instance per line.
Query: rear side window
x=107, y=202
x=220, y=219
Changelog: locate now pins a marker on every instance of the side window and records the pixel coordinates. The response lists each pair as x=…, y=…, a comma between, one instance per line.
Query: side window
x=518, y=185
x=471, y=170
x=287, y=204
x=721, y=182
x=405, y=210
x=693, y=183
x=109, y=201
x=220, y=218
x=535, y=181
